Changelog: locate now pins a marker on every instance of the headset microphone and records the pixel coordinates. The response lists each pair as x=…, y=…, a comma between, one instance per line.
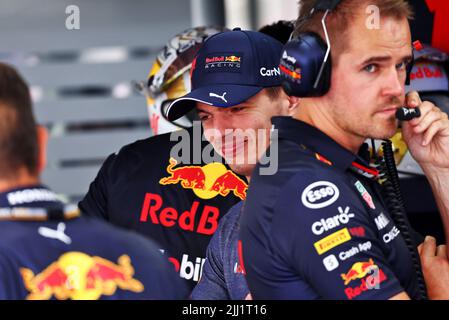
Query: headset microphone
x=407, y=114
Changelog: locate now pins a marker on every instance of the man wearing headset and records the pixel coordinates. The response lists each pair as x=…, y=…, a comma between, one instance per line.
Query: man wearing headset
x=319, y=228
x=144, y=189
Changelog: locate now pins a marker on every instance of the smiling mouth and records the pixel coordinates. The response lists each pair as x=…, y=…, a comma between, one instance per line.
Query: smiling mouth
x=234, y=148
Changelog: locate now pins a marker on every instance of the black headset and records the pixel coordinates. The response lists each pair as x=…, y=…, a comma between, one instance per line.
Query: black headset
x=306, y=60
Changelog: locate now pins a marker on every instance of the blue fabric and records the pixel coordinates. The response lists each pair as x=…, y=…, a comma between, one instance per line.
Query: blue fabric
x=223, y=277
x=85, y=260
x=320, y=229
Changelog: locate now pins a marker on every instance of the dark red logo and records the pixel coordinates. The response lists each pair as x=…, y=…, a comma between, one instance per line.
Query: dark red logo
x=357, y=231
x=440, y=9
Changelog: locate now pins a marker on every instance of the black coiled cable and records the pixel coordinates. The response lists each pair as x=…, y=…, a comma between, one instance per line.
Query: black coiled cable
x=395, y=203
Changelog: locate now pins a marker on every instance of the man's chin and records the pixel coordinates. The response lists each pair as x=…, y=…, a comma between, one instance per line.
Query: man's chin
x=386, y=131
x=242, y=169
x=384, y=135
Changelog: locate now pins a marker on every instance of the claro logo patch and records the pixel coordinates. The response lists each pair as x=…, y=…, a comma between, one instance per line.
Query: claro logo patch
x=320, y=194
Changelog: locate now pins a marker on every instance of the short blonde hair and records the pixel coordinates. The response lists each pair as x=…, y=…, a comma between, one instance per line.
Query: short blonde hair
x=338, y=20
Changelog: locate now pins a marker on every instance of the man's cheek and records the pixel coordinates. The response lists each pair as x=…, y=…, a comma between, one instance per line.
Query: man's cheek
x=212, y=135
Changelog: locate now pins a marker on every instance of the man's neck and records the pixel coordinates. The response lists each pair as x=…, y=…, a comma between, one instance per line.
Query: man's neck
x=310, y=113
x=22, y=179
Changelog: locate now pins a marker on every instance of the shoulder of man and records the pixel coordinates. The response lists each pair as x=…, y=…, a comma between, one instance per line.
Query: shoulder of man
x=150, y=266
x=230, y=220
x=153, y=151
x=10, y=288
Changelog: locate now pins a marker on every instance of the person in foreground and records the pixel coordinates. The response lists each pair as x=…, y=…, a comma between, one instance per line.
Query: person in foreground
x=50, y=251
x=322, y=227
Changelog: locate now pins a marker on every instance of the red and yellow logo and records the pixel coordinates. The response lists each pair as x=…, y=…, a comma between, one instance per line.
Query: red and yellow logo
x=294, y=74
x=358, y=271
x=206, y=181
x=331, y=241
x=233, y=59
x=78, y=276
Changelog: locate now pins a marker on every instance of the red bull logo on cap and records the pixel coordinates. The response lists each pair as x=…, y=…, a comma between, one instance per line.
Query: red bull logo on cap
x=233, y=59
x=206, y=181
x=78, y=276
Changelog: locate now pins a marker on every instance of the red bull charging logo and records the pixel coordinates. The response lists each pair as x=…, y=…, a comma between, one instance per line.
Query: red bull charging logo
x=78, y=276
x=206, y=181
x=358, y=271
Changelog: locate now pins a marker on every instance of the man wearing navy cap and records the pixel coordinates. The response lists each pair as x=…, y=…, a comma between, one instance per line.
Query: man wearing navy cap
x=236, y=91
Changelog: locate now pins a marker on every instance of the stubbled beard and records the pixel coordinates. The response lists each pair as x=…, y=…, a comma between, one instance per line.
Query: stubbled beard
x=373, y=127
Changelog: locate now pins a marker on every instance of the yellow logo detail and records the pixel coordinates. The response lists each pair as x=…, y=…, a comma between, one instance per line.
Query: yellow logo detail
x=332, y=241
x=78, y=276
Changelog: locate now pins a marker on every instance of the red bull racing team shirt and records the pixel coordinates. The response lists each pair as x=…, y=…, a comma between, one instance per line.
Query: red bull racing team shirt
x=48, y=252
x=176, y=204
x=319, y=228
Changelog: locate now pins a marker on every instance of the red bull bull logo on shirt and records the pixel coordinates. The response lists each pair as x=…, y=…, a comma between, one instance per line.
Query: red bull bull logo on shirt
x=206, y=181
x=361, y=270
x=78, y=276
x=358, y=271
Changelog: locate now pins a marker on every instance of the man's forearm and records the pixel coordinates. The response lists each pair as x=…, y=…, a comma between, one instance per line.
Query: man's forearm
x=439, y=182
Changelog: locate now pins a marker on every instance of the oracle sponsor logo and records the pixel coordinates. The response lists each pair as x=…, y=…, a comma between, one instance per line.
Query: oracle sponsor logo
x=391, y=235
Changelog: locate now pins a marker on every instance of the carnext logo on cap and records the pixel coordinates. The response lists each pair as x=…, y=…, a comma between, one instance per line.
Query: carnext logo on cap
x=264, y=72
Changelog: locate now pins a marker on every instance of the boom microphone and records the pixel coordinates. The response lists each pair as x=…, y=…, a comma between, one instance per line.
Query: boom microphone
x=407, y=114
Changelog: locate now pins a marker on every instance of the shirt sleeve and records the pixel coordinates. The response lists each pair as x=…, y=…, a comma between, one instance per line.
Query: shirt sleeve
x=153, y=270
x=327, y=236
x=95, y=202
x=212, y=284
x=10, y=281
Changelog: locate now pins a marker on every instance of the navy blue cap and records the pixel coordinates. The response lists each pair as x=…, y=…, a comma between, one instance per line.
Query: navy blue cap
x=230, y=68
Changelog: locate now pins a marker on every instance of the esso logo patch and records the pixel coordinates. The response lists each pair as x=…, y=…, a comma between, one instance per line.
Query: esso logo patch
x=320, y=194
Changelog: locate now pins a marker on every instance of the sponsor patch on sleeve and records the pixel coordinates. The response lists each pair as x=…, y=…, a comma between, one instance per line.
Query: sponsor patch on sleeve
x=333, y=240
x=320, y=194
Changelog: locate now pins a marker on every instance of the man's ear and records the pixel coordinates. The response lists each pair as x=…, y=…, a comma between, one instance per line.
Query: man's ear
x=293, y=105
x=42, y=139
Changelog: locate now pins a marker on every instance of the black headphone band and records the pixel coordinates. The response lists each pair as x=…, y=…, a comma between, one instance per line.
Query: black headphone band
x=323, y=5
x=306, y=63
x=320, y=5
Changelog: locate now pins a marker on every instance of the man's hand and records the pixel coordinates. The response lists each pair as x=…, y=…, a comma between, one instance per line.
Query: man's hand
x=435, y=268
x=427, y=137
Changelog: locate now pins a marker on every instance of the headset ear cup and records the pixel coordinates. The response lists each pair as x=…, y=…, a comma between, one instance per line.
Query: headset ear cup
x=287, y=88
x=325, y=81
x=300, y=66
